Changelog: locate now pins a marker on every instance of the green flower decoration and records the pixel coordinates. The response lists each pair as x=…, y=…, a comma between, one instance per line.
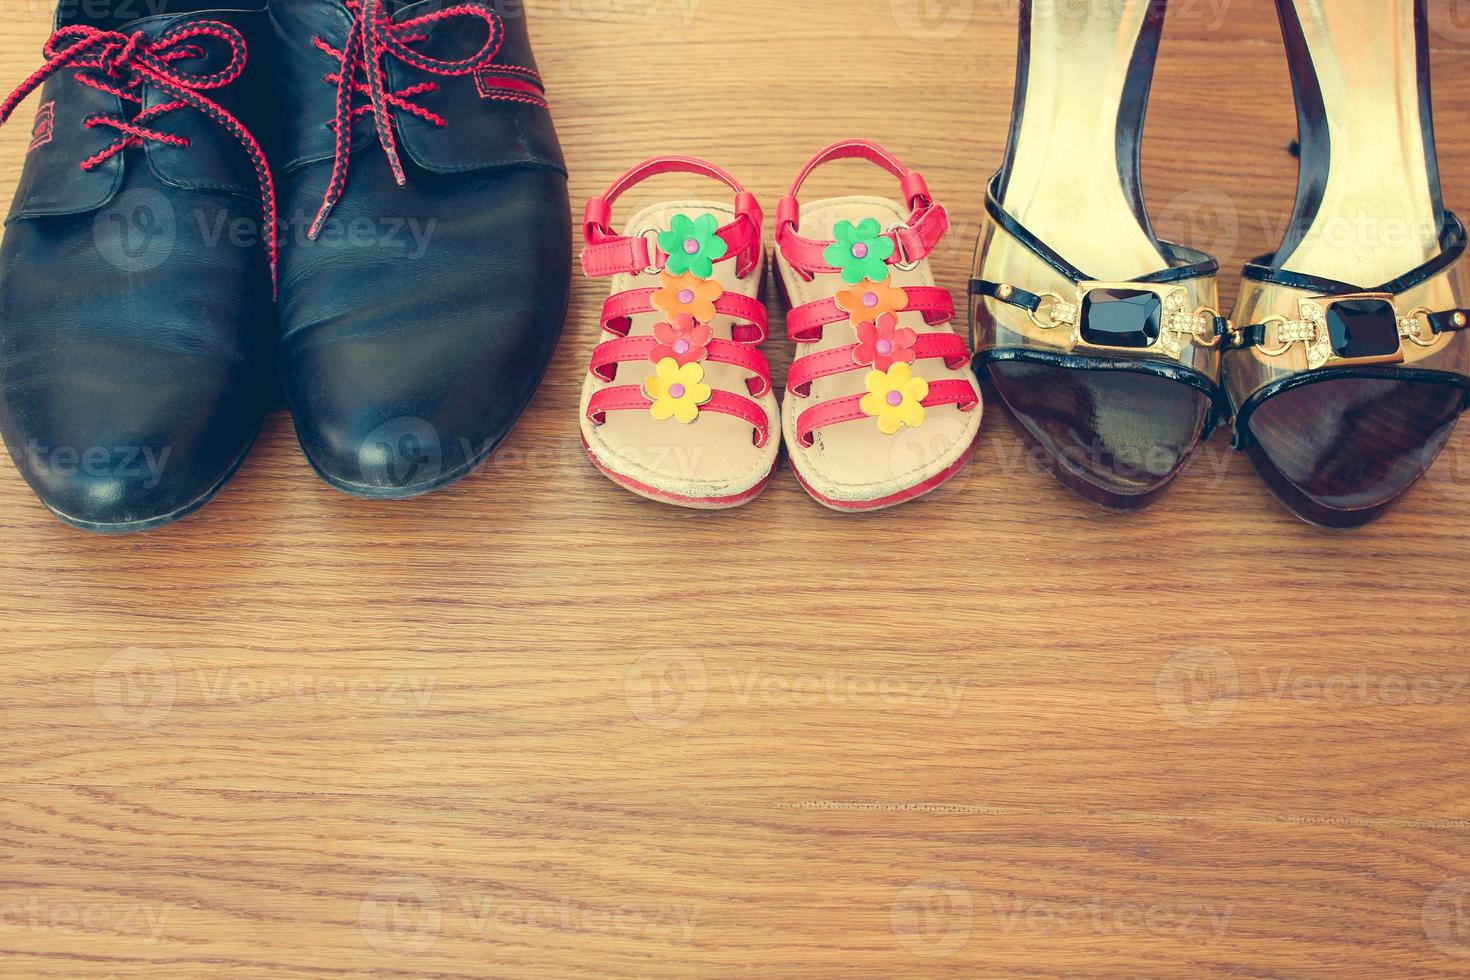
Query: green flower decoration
x=861, y=252
x=693, y=245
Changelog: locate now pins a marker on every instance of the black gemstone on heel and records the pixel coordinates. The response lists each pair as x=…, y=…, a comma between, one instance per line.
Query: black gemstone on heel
x=1363, y=328
x=1122, y=317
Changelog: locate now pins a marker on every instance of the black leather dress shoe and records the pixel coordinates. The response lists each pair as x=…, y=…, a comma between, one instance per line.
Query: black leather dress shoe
x=428, y=262
x=135, y=289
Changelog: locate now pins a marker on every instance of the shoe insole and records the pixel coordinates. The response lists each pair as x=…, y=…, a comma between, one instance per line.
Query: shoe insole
x=1063, y=184
x=713, y=456
x=854, y=461
x=1377, y=218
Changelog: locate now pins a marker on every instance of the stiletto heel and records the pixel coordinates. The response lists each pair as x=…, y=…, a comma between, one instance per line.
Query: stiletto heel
x=1102, y=340
x=1345, y=394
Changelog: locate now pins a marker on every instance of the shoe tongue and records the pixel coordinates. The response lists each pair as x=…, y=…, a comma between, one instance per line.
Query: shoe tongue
x=214, y=158
x=497, y=117
x=482, y=132
x=53, y=182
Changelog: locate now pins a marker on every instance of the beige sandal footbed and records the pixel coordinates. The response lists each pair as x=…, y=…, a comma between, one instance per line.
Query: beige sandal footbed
x=712, y=462
x=853, y=465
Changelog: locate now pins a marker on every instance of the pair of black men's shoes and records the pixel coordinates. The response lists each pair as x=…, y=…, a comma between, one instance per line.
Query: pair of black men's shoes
x=404, y=256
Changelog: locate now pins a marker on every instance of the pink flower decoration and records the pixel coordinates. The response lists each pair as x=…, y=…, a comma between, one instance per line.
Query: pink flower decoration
x=885, y=343
x=684, y=340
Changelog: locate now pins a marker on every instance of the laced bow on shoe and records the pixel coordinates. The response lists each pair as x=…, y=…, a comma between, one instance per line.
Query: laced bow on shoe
x=374, y=35
x=120, y=64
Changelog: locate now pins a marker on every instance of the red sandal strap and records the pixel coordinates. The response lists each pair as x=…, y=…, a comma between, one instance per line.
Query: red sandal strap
x=629, y=398
x=609, y=253
x=752, y=319
x=839, y=410
x=813, y=367
x=914, y=240
x=624, y=350
x=804, y=323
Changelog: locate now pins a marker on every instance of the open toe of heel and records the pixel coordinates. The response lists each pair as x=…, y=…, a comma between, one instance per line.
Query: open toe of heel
x=1117, y=382
x=1340, y=452
x=1345, y=397
x=1116, y=438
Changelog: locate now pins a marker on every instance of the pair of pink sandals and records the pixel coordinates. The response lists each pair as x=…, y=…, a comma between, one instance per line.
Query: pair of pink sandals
x=881, y=404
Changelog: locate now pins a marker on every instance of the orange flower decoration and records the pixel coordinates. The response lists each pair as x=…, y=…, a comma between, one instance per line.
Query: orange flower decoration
x=688, y=295
x=869, y=300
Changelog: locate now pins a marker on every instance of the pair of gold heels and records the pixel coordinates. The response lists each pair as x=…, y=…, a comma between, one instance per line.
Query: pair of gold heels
x=1346, y=361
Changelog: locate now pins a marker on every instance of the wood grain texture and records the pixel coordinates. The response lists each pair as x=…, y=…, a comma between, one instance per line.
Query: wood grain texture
x=528, y=727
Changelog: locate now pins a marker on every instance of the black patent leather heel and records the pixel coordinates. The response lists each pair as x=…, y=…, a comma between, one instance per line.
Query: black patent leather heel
x=1101, y=339
x=1351, y=364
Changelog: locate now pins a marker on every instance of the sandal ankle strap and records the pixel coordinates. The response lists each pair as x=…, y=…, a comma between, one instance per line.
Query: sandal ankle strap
x=912, y=241
x=609, y=253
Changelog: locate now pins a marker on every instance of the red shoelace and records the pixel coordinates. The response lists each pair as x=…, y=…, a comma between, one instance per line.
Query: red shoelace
x=373, y=36
x=120, y=64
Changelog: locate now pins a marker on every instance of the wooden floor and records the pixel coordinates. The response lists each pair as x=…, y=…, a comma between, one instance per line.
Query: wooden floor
x=534, y=726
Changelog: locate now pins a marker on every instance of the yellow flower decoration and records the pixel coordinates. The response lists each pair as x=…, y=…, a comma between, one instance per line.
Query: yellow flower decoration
x=688, y=295
x=894, y=397
x=869, y=300
x=677, y=392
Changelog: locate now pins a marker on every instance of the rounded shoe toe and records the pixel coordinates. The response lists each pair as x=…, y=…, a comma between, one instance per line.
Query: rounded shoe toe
x=118, y=451
x=404, y=370
x=400, y=414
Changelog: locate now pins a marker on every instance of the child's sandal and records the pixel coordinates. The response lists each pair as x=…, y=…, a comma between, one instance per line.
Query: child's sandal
x=882, y=405
x=677, y=405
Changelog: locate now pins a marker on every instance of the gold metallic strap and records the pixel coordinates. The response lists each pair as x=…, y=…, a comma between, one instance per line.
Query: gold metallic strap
x=1179, y=324
x=1054, y=312
x=1278, y=334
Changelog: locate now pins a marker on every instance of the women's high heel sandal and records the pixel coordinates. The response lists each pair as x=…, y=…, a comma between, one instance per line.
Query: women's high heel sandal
x=1346, y=391
x=881, y=405
x=677, y=405
x=1102, y=340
